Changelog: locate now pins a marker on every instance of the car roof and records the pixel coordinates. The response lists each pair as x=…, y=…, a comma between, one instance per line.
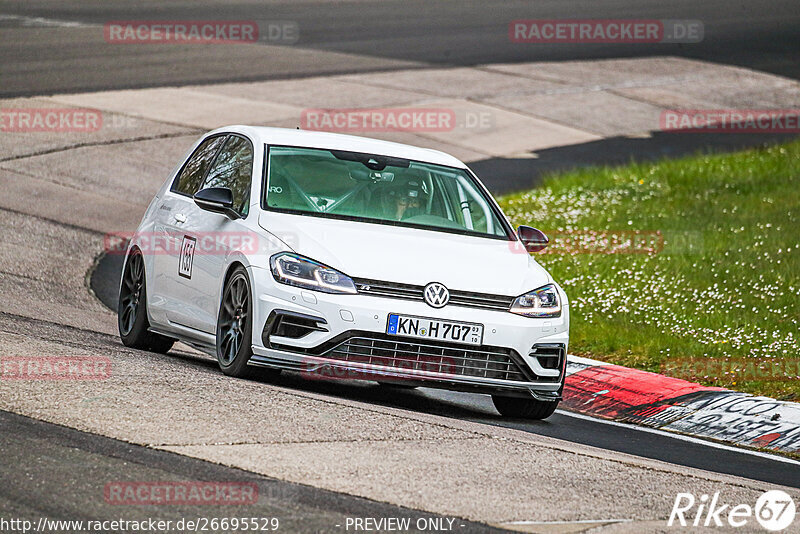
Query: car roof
x=336, y=141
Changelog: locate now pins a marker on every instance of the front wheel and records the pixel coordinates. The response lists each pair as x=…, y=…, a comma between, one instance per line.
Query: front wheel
x=235, y=329
x=235, y=326
x=524, y=408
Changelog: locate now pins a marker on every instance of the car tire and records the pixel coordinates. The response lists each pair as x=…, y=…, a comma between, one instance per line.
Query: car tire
x=132, y=309
x=521, y=408
x=235, y=326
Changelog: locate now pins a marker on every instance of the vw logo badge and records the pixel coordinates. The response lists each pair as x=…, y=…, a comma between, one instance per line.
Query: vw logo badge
x=436, y=295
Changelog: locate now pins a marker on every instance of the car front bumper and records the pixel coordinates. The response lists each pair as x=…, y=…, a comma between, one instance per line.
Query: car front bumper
x=358, y=322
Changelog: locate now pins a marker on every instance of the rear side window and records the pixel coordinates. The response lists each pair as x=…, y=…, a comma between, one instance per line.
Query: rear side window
x=233, y=169
x=191, y=177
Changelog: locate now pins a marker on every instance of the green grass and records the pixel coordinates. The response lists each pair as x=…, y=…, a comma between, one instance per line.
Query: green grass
x=725, y=287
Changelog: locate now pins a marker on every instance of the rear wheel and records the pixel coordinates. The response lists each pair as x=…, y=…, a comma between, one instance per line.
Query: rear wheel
x=132, y=309
x=524, y=408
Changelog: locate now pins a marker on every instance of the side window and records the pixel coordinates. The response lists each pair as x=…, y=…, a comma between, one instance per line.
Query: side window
x=190, y=178
x=233, y=169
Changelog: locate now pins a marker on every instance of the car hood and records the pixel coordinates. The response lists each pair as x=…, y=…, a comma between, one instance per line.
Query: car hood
x=409, y=255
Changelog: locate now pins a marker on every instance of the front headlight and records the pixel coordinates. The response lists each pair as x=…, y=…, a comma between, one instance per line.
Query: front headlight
x=298, y=271
x=542, y=302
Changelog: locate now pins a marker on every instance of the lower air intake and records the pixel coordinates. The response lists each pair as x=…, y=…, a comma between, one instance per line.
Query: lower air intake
x=549, y=355
x=411, y=356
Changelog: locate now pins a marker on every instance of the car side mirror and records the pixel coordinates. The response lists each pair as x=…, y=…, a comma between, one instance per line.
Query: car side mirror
x=216, y=199
x=533, y=239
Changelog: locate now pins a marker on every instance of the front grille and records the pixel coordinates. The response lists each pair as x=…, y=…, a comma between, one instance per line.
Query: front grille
x=468, y=299
x=411, y=356
x=480, y=300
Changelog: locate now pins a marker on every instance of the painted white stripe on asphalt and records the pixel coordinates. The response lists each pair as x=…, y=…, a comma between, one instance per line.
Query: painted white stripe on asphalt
x=682, y=437
x=43, y=22
x=579, y=521
x=585, y=361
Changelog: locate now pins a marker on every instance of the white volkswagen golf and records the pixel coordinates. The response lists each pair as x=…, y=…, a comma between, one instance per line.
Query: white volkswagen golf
x=346, y=257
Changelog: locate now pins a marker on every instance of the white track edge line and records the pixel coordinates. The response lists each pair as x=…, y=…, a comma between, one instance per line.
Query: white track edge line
x=682, y=437
x=566, y=522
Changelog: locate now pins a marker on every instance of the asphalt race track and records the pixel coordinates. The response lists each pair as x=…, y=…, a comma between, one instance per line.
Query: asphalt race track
x=360, y=36
x=299, y=508
x=55, y=47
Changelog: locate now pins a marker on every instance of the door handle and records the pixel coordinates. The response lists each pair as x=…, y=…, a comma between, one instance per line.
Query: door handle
x=180, y=217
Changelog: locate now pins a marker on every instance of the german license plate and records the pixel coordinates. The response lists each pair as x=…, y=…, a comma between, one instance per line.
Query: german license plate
x=427, y=328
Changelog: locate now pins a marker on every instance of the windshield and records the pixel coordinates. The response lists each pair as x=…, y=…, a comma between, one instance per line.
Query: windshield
x=379, y=189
